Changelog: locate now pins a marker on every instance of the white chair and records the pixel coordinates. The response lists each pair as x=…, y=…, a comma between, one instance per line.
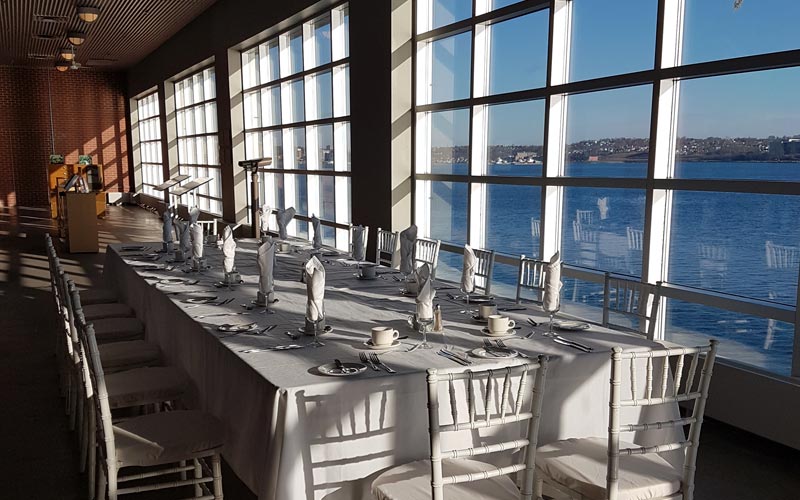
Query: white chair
x=607, y=468
x=447, y=472
x=635, y=238
x=782, y=256
x=426, y=251
x=386, y=247
x=631, y=299
x=536, y=229
x=209, y=229
x=151, y=441
x=484, y=266
x=584, y=217
x=531, y=277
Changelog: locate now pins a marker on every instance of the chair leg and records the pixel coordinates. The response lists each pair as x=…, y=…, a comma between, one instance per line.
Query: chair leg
x=112, y=482
x=537, y=489
x=216, y=469
x=101, y=486
x=91, y=448
x=198, y=473
x=83, y=435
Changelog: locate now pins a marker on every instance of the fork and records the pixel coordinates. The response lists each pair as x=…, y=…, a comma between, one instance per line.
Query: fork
x=364, y=359
x=502, y=345
x=375, y=359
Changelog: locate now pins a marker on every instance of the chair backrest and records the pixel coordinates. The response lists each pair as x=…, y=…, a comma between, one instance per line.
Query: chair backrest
x=531, y=277
x=676, y=384
x=498, y=410
x=484, y=266
x=583, y=235
x=426, y=251
x=635, y=237
x=782, y=256
x=386, y=247
x=631, y=299
x=536, y=228
x=584, y=217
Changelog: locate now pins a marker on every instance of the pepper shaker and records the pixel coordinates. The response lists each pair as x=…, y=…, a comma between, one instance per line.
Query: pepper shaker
x=437, y=319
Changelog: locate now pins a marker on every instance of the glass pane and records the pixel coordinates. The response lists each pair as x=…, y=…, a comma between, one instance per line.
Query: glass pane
x=199, y=120
x=327, y=198
x=512, y=219
x=299, y=139
x=450, y=266
x=611, y=37
x=719, y=30
x=740, y=243
x=213, y=149
x=252, y=145
x=270, y=61
x=250, y=68
x=583, y=299
x=325, y=145
x=448, y=209
x=496, y=4
x=295, y=51
x=608, y=133
x=252, y=111
x=209, y=84
x=211, y=117
x=595, y=230
x=271, y=106
x=324, y=95
x=729, y=127
x=450, y=142
x=764, y=343
x=450, y=73
x=516, y=136
x=449, y=11
x=518, y=58
x=322, y=41
x=273, y=147
x=297, y=96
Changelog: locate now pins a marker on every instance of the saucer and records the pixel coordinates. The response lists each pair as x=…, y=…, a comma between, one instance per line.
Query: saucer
x=381, y=347
x=480, y=352
x=332, y=370
x=510, y=333
x=571, y=325
x=479, y=319
x=328, y=329
x=236, y=328
x=408, y=293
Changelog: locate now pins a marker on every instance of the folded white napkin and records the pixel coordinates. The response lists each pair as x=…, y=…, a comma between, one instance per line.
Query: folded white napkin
x=266, y=261
x=602, y=205
x=468, y=270
x=194, y=215
x=228, y=249
x=196, y=231
x=359, y=243
x=166, y=229
x=552, y=284
x=182, y=228
x=317, y=242
x=315, y=289
x=407, y=238
x=264, y=218
x=284, y=217
x=426, y=292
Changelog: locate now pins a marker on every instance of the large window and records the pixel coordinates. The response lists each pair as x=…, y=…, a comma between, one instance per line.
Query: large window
x=149, y=124
x=297, y=111
x=198, y=142
x=569, y=125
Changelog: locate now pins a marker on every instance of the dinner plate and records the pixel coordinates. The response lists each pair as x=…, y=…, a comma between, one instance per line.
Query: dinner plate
x=133, y=248
x=571, y=325
x=481, y=352
x=479, y=299
x=408, y=293
x=332, y=370
x=382, y=347
x=236, y=328
x=510, y=333
x=478, y=319
x=176, y=281
x=328, y=329
x=200, y=300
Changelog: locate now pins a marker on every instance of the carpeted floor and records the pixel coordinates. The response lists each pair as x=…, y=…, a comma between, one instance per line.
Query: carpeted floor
x=40, y=456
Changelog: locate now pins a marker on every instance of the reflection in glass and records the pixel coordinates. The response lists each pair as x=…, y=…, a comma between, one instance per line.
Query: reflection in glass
x=325, y=145
x=295, y=51
x=271, y=106
x=450, y=142
x=528, y=34
x=327, y=198
x=730, y=128
x=451, y=68
x=322, y=41
x=612, y=37
x=299, y=142
x=608, y=133
x=324, y=95
x=516, y=135
x=296, y=96
x=272, y=145
x=449, y=212
x=449, y=11
x=512, y=219
x=270, y=62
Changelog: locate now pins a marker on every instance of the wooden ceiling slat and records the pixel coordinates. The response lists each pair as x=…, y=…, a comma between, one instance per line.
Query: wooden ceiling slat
x=126, y=31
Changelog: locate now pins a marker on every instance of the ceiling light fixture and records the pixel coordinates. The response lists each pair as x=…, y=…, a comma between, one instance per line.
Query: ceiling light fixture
x=76, y=37
x=88, y=14
x=67, y=54
x=62, y=66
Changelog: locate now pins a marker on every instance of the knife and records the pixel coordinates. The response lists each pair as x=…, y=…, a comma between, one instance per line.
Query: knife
x=575, y=342
x=559, y=341
x=456, y=356
x=511, y=309
x=452, y=358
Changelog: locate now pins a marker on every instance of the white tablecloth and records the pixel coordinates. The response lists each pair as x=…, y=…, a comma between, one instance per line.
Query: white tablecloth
x=292, y=433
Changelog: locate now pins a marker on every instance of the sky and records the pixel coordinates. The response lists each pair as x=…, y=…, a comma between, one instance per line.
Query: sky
x=618, y=36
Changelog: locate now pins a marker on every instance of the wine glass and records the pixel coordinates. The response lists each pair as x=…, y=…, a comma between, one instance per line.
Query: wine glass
x=316, y=323
x=549, y=332
x=424, y=324
x=466, y=295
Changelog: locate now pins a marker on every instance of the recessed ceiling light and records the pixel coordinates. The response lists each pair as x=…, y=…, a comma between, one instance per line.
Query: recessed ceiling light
x=62, y=66
x=88, y=14
x=67, y=54
x=76, y=37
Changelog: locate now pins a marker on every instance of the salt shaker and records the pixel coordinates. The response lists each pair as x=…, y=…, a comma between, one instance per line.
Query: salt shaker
x=437, y=319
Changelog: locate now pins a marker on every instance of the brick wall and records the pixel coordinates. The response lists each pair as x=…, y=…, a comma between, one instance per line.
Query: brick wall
x=88, y=117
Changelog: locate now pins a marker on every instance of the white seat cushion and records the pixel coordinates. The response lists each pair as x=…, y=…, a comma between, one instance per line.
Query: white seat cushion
x=147, y=385
x=97, y=296
x=581, y=465
x=117, y=356
x=117, y=329
x=113, y=310
x=413, y=482
x=166, y=437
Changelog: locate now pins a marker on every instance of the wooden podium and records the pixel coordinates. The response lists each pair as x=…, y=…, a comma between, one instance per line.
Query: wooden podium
x=57, y=174
x=80, y=222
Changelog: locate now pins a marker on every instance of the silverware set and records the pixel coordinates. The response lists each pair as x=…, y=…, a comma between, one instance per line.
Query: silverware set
x=374, y=361
x=220, y=314
x=275, y=348
x=558, y=339
x=452, y=356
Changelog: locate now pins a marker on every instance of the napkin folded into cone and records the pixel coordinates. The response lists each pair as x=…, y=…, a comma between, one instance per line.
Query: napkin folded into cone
x=315, y=290
x=552, y=284
x=359, y=243
x=264, y=219
x=182, y=229
x=407, y=239
x=194, y=215
x=228, y=249
x=196, y=231
x=426, y=292
x=266, y=261
x=317, y=241
x=166, y=229
x=468, y=270
x=284, y=217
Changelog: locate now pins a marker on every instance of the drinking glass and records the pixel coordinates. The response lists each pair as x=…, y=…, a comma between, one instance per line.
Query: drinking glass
x=316, y=342
x=423, y=325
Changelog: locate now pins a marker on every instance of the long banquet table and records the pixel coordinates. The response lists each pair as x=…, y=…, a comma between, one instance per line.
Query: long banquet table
x=292, y=433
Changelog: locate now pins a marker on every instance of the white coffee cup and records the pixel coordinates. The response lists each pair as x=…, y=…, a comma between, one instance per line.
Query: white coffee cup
x=500, y=324
x=412, y=287
x=384, y=335
x=284, y=246
x=487, y=310
x=367, y=271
